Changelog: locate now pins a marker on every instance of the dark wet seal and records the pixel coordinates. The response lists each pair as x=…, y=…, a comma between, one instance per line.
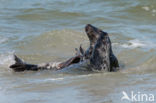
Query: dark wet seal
x=93, y=34
x=99, y=53
x=20, y=65
x=102, y=57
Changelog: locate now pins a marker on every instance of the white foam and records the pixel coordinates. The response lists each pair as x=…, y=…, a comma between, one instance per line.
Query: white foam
x=115, y=44
x=154, y=11
x=54, y=79
x=146, y=8
x=71, y=77
x=134, y=44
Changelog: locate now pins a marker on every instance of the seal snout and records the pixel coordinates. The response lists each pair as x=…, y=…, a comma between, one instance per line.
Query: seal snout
x=88, y=27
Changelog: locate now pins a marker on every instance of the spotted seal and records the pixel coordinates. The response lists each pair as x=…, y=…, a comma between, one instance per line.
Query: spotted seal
x=99, y=55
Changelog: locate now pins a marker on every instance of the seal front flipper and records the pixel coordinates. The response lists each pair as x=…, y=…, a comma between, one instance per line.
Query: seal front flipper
x=114, y=63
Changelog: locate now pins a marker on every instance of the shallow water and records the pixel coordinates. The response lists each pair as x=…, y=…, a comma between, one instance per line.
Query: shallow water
x=50, y=30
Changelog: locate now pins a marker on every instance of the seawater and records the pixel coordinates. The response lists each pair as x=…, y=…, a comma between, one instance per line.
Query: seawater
x=50, y=30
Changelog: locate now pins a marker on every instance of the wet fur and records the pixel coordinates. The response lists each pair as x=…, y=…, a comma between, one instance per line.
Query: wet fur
x=99, y=53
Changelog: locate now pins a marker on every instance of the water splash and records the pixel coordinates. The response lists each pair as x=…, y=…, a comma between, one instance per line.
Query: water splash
x=6, y=59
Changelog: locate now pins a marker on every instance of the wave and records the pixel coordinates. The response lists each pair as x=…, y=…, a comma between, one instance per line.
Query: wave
x=59, y=45
x=39, y=14
x=137, y=61
x=136, y=43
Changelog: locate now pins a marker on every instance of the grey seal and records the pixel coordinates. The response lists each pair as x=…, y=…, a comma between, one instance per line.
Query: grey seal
x=99, y=55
